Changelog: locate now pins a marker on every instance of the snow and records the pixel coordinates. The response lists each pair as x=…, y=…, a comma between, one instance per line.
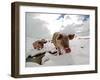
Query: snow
x=31, y=64
x=79, y=54
x=64, y=59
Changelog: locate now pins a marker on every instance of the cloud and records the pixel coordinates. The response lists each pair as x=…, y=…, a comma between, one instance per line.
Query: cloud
x=35, y=28
x=83, y=17
x=79, y=29
x=42, y=25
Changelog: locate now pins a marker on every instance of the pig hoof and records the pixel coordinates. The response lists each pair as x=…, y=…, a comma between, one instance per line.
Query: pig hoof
x=60, y=53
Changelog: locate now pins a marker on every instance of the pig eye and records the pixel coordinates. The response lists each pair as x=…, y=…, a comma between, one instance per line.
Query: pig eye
x=71, y=36
x=60, y=36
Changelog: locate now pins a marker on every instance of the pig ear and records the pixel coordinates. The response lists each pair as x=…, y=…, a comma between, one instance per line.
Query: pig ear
x=59, y=36
x=71, y=36
x=44, y=41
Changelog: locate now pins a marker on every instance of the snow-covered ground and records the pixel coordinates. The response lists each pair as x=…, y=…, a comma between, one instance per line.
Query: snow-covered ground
x=79, y=53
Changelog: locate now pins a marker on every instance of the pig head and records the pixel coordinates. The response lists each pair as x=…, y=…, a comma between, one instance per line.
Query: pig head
x=61, y=42
x=39, y=44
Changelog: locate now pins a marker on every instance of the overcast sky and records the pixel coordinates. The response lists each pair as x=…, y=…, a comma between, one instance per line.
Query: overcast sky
x=44, y=25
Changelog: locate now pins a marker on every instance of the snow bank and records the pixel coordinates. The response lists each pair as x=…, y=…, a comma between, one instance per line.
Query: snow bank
x=79, y=54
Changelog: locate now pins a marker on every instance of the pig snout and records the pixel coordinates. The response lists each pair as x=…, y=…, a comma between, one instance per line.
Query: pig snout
x=67, y=50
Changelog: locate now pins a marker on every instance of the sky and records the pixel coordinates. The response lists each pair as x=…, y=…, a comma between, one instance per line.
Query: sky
x=43, y=25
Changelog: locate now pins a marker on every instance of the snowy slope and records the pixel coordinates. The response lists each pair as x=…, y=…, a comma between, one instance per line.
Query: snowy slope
x=79, y=54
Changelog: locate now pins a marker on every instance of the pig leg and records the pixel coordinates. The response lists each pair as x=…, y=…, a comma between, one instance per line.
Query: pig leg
x=59, y=51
